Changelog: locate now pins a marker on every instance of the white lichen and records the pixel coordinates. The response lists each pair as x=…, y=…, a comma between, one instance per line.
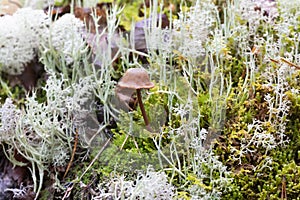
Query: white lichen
x=66, y=37
x=205, y=165
x=149, y=186
x=20, y=37
x=192, y=28
x=9, y=115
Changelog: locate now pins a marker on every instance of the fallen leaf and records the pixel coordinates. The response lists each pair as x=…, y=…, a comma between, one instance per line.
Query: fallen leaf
x=57, y=12
x=31, y=74
x=85, y=14
x=9, y=7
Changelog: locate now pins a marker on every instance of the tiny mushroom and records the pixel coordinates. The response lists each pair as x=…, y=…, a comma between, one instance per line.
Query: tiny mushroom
x=137, y=78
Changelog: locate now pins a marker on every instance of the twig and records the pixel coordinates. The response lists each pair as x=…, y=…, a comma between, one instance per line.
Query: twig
x=124, y=142
x=290, y=63
x=275, y=61
x=68, y=192
x=73, y=153
x=283, y=188
x=69, y=189
x=96, y=157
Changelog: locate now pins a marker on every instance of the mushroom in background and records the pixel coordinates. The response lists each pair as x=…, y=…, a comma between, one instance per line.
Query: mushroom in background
x=135, y=79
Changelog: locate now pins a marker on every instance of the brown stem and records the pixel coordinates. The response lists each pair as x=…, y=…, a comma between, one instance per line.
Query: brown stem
x=290, y=63
x=146, y=120
x=139, y=97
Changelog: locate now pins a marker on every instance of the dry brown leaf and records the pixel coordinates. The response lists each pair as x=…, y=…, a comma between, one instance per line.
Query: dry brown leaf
x=9, y=7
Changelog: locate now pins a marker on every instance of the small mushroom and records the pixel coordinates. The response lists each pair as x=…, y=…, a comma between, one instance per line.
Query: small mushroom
x=137, y=79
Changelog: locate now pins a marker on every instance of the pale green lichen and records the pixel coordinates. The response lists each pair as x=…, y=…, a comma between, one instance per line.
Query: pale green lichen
x=224, y=109
x=20, y=38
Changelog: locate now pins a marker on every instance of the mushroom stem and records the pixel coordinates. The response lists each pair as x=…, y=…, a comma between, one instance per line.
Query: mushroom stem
x=146, y=120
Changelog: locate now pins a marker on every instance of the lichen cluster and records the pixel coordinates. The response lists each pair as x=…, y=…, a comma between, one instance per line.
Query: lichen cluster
x=223, y=112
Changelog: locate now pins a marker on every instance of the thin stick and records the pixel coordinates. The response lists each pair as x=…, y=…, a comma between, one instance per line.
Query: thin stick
x=275, y=61
x=290, y=63
x=124, y=142
x=73, y=153
x=96, y=157
x=136, y=145
x=283, y=188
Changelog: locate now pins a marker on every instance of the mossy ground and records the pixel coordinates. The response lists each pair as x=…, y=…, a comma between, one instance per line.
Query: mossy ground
x=257, y=173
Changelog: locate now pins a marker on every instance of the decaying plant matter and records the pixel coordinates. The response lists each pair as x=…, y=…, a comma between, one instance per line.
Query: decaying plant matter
x=224, y=109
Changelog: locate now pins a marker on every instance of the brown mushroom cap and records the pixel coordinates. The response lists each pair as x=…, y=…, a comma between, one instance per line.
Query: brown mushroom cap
x=136, y=78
